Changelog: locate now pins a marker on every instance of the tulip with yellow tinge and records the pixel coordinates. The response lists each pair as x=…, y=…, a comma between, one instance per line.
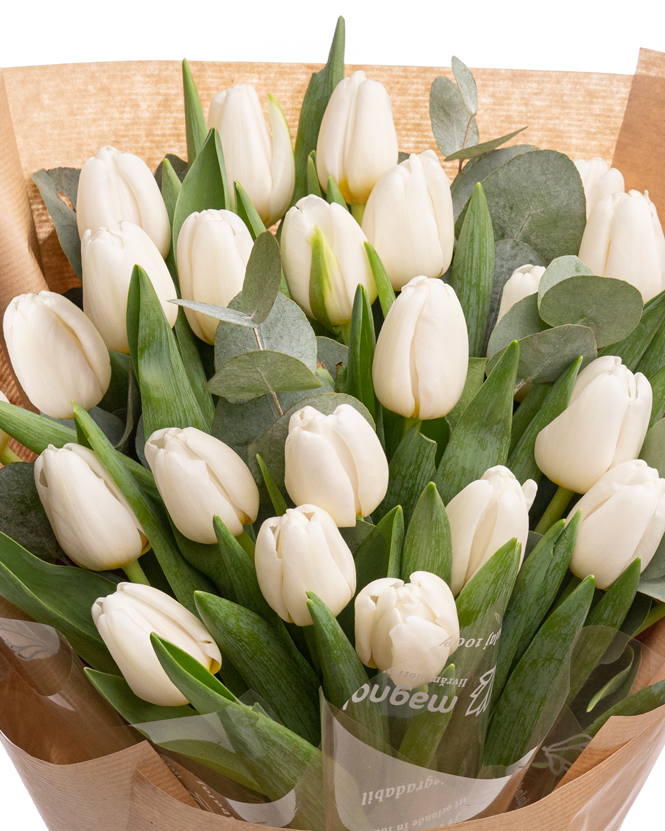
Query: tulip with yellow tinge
x=407, y=630
x=108, y=256
x=127, y=618
x=604, y=424
x=357, y=141
x=299, y=552
x=422, y=352
x=56, y=352
x=117, y=186
x=260, y=159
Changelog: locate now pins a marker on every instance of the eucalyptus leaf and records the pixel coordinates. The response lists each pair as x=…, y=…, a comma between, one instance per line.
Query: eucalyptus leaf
x=477, y=170
x=466, y=85
x=538, y=198
x=22, y=515
x=561, y=269
x=218, y=312
x=453, y=126
x=319, y=90
x=412, y=467
x=653, y=449
x=610, y=308
x=262, y=278
x=51, y=184
x=485, y=147
x=632, y=348
x=238, y=425
x=330, y=353
x=521, y=320
x=262, y=372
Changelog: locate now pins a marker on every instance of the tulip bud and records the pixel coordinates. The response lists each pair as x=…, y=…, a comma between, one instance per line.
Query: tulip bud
x=116, y=186
x=599, y=181
x=200, y=477
x=108, y=257
x=409, y=219
x=407, y=629
x=213, y=250
x=422, y=352
x=623, y=517
x=90, y=517
x=521, y=283
x=603, y=425
x=56, y=352
x=357, y=140
x=261, y=160
x=314, y=222
x=127, y=618
x=299, y=552
x=484, y=516
x=624, y=239
x=335, y=462
x=4, y=438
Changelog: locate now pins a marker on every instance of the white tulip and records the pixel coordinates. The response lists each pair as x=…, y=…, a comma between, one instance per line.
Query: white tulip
x=4, y=438
x=604, y=425
x=200, y=477
x=336, y=462
x=116, y=186
x=623, y=517
x=56, y=352
x=90, y=517
x=521, y=283
x=484, y=516
x=422, y=352
x=108, y=257
x=346, y=260
x=624, y=239
x=127, y=618
x=599, y=181
x=409, y=219
x=299, y=552
x=407, y=630
x=261, y=160
x=213, y=250
x=357, y=140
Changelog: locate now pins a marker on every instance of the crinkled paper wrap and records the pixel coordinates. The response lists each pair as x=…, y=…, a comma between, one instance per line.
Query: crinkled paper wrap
x=57, y=117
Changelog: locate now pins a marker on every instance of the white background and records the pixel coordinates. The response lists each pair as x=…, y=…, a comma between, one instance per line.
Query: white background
x=515, y=34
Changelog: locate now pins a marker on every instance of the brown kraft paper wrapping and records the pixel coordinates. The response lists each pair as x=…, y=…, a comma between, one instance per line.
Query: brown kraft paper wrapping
x=60, y=115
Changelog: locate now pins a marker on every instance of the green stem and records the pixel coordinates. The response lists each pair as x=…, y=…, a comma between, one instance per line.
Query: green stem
x=7, y=457
x=310, y=638
x=345, y=333
x=135, y=573
x=554, y=510
x=247, y=543
x=656, y=614
x=409, y=423
x=358, y=211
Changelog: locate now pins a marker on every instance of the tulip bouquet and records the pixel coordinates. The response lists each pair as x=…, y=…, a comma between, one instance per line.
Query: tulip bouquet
x=358, y=514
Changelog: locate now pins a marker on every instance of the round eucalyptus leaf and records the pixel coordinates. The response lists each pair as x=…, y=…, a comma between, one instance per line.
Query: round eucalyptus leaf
x=519, y=321
x=561, y=269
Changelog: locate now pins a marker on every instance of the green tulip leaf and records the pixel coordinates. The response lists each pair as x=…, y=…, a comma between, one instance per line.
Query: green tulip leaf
x=653, y=358
x=475, y=376
x=133, y=709
x=270, y=445
x=247, y=212
x=610, y=308
x=195, y=122
x=167, y=396
x=545, y=355
x=520, y=321
x=658, y=391
x=262, y=372
x=560, y=269
x=37, y=432
x=319, y=90
x=354, y=536
x=522, y=460
x=484, y=147
x=115, y=397
x=481, y=438
x=205, y=185
x=473, y=269
x=57, y=596
x=454, y=127
x=313, y=184
x=269, y=669
x=428, y=545
x=170, y=185
x=632, y=348
x=538, y=198
x=183, y=579
x=276, y=498
x=644, y=701
x=362, y=342
x=381, y=280
x=426, y=729
x=334, y=194
x=411, y=468
x=491, y=586
x=22, y=516
x=477, y=170
x=653, y=449
x=51, y=184
x=532, y=699
x=524, y=414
